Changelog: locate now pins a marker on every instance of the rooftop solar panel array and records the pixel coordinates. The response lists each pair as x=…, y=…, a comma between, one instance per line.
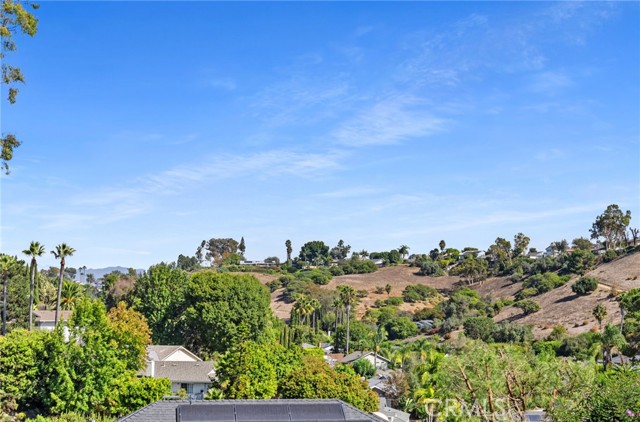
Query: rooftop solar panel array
x=261, y=412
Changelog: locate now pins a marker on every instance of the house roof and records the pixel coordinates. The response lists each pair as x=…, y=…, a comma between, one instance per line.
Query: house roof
x=162, y=352
x=248, y=410
x=187, y=372
x=50, y=316
x=352, y=357
x=335, y=356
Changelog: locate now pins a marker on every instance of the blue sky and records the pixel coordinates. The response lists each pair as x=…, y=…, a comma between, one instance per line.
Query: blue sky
x=150, y=126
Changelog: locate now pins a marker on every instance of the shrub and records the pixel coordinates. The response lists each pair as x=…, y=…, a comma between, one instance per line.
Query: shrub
x=431, y=268
x=394, y=301
x=547, y=347
x=479, y=328
x=336, y=271
x=526, y=293
x=400, y=328
x=609, y=255
x=506, y=332
x=528, y=306
x=274, y=285
x=364, y=368
x=428, y=313
x=559, y=332
x=543, y=283
x=362, y=293
x=379, y=290
x=418, y=293
x=585, y=286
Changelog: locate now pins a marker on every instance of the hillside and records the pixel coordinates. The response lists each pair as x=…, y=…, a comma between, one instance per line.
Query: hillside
x=559, y=306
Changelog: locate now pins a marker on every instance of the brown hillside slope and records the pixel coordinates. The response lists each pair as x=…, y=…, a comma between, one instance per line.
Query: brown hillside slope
x=562, y=306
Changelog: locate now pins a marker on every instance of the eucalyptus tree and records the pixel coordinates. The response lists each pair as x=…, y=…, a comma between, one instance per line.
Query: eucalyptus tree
x=35, y=250
x=62, y=251
x=348, y=297
x=7, y=264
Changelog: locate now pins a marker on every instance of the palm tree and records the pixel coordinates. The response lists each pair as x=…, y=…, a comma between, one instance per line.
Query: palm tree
x=315, y=305
x=62, y=251
x=442, y=245
x=600, y=312
x=338, y=306
x=376, y=341
x=6, y=266
x=287, y=244
x=404, y=250
x=35, y=250
x=70, y=293
x=364, y=254
x=348, y=297
x=610, y=338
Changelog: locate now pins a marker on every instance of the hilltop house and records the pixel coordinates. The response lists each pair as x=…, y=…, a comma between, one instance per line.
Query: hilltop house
x=183, y=368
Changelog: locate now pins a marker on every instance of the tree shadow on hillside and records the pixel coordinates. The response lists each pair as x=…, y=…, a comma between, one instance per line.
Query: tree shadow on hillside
x=567, y=298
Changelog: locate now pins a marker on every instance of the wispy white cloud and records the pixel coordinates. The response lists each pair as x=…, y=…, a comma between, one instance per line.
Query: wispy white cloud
x=550, y=83
x=389, y=121
x=348, y=193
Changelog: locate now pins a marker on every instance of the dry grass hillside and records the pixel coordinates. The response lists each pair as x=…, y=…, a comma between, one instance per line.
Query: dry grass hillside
x=559, y=306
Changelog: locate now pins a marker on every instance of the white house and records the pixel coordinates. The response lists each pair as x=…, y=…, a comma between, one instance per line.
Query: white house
x=182, y=367
x=378, y=361
x=46, y=320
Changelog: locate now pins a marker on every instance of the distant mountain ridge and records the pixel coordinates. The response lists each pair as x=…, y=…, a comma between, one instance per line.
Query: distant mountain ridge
x=100, y=272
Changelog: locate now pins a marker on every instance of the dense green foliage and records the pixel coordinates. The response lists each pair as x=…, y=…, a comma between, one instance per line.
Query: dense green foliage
x=585, y=286
x=221, y=310
x=418, y=292
x=94, y=372
x=315, y=379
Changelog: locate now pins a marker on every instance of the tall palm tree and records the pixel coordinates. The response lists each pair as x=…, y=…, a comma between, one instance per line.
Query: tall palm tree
x=7, y=264
x=348, y=297
x=35, y=250
x=404, y=250
x=62, y=251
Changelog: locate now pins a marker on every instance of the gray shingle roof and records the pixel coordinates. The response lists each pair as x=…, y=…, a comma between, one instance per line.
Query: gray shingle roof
x=165, y=410
x=187, y=372
x=161, y=352
x=352, y=357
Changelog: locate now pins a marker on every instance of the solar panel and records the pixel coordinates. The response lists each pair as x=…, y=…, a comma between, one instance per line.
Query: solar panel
x=205, y=413
x=316, y=412
x=259, y=412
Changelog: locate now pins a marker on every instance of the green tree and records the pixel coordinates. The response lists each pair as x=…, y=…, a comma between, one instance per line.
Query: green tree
x=600, y=313
x=364, y=368
x=520, y=244
x=387, y=288
x=348, y=297
x=528, y=306
x=582, y=243
x=187, y=263
x=242, y=247
x=14, y=19
x=132, y=334
x=479, y=328
x=612, y=226
x=62, y=251
x=35, y=250
x=159, y=295
x=215, y=249
x=585, y=286
x=314, y=253
x=316, y=380
x=287, y=244
x=471, y=269
x=610, y=338
x=403, y=250
x=247, y=372
x=401, y=328
x=442, y=245
x=340, y=251
x=222, y=309
x=8, y=265
x=579, y=262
